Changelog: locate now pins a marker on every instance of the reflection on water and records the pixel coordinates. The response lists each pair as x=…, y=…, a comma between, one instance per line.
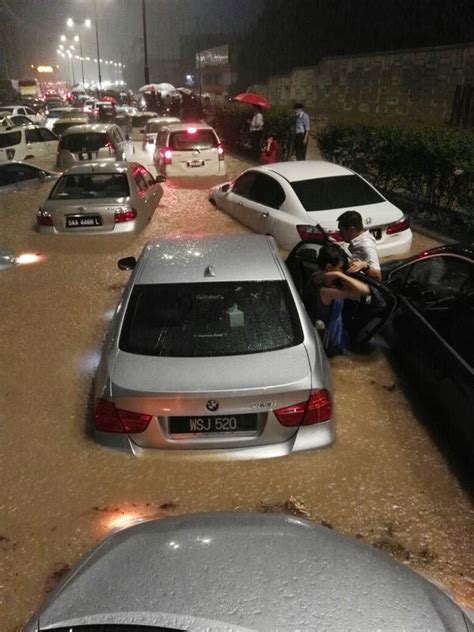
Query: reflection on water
x=383, y=481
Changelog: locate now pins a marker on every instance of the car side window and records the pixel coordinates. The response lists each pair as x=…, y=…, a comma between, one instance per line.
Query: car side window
x=29, y=112
x=46, y=135
x=140, y=181
x=20, y=173
x=436, y=278
x=243, y=185
x=33, y=136
x=21, y=111
x=149, y=180
x=118, y=135
x=266, y=190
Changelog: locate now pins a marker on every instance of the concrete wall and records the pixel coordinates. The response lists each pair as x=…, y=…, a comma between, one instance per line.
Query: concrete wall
x=416, y=83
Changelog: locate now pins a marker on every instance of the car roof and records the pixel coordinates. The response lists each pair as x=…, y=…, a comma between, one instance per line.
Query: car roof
x=99, y=166
x=164, y=119
x=210, y=258
x=295, y=171
x=84, y=129
x=178, y=127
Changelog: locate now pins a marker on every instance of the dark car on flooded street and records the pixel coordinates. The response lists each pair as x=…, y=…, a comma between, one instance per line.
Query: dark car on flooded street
x=432, y=331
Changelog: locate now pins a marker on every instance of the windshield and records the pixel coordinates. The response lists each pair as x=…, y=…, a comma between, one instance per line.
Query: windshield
x=323, y=194
x=202, y=319
x=9, y=139
x=91, y=185
x=187, y=141
x=85, y=142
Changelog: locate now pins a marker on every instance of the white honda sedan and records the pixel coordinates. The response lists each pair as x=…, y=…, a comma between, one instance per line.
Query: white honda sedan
x=289, y=200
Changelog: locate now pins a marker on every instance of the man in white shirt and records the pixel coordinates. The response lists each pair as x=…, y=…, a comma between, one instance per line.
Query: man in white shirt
x=362, y=245
x=256, y=131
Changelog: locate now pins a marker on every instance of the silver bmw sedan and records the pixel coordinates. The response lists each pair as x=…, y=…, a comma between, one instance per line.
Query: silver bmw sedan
x=100, y=197
x=211, y=350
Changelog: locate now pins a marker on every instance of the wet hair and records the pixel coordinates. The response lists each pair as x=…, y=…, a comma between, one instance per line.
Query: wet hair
x=350, y=219
x=299, y=106
x=330, y=255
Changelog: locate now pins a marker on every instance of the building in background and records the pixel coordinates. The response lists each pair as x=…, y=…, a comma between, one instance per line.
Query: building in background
x=216, y=70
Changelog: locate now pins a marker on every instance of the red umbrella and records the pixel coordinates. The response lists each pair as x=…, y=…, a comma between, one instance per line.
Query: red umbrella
x=253, y=99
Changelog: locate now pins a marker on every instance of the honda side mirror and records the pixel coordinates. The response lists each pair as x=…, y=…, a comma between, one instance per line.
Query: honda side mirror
x=160, y=178
x=127, y=263
x=225, y=188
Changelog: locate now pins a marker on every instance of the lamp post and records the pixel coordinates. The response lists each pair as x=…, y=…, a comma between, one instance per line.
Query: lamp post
x=78, y=38
x=145, y=45
x=97, y=41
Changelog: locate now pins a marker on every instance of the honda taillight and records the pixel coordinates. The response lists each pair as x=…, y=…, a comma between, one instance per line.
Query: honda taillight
x=317, y=409
x=10, y=154
x=168, y=155
x=109, y=418
x=43, y=217
x=124, y=215
x=398, y=227
x=220, y=152
x=308, y=231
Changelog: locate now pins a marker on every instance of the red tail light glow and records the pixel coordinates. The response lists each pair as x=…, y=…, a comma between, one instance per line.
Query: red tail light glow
x=108, y=418
x=220, y=152
x=168, y=155
x=307, y=231
x=317, y=409
x=43, y=217
x=124, y=215
x=398, y=227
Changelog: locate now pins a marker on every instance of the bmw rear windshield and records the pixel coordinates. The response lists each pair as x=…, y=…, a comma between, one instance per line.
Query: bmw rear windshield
x=210, y=319
x=191, y=140
x=323, y=194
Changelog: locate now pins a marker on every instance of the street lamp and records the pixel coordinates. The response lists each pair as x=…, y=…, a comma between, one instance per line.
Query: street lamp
x=145, y=46
x=78, y=38
x=97, y=41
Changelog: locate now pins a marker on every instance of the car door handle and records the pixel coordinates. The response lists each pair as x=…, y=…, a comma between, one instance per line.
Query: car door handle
x=265, y=214
x=239, y=204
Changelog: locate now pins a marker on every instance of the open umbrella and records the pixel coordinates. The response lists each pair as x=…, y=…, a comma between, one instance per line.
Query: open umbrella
x=253, y=99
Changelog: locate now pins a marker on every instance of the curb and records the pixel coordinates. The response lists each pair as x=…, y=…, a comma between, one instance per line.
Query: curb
x=433, y=234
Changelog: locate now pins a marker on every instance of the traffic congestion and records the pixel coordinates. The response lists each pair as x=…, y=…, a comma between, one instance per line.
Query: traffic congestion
x=238, y=387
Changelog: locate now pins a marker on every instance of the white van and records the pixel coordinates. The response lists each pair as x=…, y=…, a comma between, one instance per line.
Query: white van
x=191, y=149
x=26, y=142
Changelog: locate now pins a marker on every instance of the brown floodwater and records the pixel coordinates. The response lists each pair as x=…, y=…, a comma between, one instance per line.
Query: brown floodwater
x=384, y=481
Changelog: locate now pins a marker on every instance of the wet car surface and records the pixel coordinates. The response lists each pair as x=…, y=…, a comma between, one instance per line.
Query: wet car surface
x=384, y=481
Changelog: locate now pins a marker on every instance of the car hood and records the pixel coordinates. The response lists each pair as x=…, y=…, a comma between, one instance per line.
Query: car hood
x=262, y=372
x=242, y=571
x=372, y=215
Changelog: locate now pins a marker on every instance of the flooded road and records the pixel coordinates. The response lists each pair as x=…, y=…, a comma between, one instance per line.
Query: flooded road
x=383, y=481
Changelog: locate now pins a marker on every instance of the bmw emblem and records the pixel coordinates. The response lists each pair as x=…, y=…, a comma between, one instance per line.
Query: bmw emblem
x=212, y=405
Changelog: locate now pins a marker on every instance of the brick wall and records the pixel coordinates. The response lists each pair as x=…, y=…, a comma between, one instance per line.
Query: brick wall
x=416, y=83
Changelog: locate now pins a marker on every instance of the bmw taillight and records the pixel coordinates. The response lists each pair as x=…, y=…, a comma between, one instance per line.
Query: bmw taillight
x=399, y=226
x=220, y=152
x=168, y=155
x=318, y=408
x=308, y=231
x=109, y=418
x=124, y=215
x=43, y=217
x=10, y=154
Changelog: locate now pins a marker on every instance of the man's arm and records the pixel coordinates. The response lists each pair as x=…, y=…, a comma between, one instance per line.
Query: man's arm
x=306, y=128
x=367, y=268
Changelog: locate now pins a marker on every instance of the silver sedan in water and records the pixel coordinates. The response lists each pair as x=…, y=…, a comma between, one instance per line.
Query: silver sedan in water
x=242, y=572
x=100, y=197
x=212, y=350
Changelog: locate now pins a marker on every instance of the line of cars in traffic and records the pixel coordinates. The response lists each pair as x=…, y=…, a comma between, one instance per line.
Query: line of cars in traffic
x=212, y=351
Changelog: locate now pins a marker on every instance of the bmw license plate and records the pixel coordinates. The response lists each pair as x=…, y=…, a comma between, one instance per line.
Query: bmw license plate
x=83, y=221
x=213, y=424
x=377, y=233
x=196, y=163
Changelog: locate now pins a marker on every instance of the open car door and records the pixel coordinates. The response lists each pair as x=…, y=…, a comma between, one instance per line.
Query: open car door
x=365, y=318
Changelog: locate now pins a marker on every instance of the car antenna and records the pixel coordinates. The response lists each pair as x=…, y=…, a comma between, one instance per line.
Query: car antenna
x=209, y=272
